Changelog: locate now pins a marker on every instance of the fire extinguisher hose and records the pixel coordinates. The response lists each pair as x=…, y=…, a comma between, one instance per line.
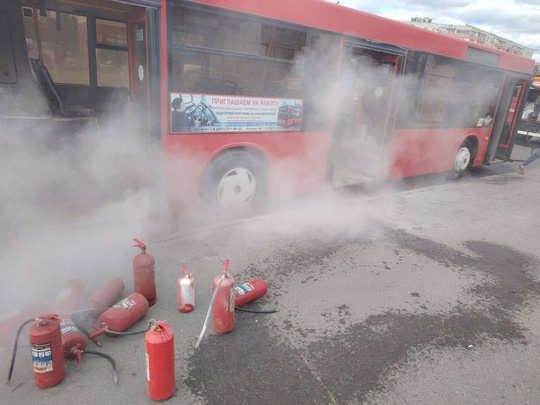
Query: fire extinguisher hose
x=15, y=347
x=254, y=311
x=113, y=332
x=111, y=360
x=209, y=310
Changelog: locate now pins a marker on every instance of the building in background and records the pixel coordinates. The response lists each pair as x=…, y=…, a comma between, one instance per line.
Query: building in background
x=472, y=34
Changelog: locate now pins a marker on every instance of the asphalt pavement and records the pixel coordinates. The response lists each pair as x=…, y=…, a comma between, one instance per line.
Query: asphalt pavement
x=418, y=293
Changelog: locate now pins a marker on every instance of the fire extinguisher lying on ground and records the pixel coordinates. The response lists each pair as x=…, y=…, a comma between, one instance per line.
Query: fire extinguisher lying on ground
x=69, y=297
x=73, y=340
x=249, y=292
x=121, y=316
x=74, y=343
x=105, y=296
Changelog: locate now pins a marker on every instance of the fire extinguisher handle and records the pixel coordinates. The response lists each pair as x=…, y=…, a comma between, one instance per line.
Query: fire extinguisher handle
x=139, y=244
x=225, y=266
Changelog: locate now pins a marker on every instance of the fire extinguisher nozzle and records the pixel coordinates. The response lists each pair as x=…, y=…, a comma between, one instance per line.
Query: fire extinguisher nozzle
x=97, y=334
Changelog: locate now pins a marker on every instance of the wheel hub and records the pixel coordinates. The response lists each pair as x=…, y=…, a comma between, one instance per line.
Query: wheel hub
x=463, y=157
x=236, y=189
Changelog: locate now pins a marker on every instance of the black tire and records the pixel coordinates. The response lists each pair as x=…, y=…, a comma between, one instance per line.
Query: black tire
x=463, y=160
x=235, y=182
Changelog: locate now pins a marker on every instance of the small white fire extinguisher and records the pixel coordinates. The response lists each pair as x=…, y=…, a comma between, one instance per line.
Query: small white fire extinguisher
x=185, y=288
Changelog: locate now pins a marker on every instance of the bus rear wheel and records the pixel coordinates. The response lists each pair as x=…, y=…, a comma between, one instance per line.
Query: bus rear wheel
x=462, y=160
x=235, y=182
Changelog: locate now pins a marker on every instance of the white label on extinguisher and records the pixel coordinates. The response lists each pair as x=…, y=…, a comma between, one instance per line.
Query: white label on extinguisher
x=42, y=357
x=126, y=303
x=147, y=367
x=231, y=300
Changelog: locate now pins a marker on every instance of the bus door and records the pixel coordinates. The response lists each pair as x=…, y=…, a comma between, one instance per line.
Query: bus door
x=360, y=128
x=507, y=119
x=138, y=71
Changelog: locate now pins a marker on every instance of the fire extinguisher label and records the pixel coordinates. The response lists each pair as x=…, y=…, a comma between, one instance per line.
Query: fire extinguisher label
x=67, y=327
x=147, y=367
x=126, y=303
x=231, y=300
x=42, y=357
x=243, y=289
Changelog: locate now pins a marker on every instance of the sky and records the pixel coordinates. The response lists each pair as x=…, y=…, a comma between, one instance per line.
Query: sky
x=516, y=20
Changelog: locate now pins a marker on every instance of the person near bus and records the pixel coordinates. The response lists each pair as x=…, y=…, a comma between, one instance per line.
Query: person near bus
x=535, y=155
x=180, y=121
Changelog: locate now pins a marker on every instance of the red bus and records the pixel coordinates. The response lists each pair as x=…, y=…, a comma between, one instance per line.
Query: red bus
x=377, y=99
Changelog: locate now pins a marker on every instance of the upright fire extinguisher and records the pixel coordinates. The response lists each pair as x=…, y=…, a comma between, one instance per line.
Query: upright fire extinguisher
x=185, y=289
x=144, y=274
x=160, y=374
x=47, y=353
x=223, y=308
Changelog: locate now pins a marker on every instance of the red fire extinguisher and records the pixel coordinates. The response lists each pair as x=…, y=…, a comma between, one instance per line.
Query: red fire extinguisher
x=223, y=308
x=160, y=374
x=47, y=353
x=68, y=298
x=144, y=274
x=73, y=340
x=105, y=296
x=249, y=292
x=185, y=289
x=122, y=315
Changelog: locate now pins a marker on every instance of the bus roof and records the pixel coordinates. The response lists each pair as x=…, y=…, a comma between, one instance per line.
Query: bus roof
x=340, y=19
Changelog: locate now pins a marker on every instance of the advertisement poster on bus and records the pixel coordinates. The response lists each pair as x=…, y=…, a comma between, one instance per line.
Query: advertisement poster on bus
x=226, y=113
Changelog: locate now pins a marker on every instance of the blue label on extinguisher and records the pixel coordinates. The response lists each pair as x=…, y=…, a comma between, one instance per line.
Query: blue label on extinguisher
x=243, y=289
x=42, y=357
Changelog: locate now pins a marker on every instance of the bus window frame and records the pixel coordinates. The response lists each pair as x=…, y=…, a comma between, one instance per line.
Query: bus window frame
x=11, y=63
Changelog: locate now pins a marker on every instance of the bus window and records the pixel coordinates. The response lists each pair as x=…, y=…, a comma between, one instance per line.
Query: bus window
x=267, y=72
x=448, y=93
x=111, y=54
x=220, y=74
x=64, y=45
x=436, y=96
x=7, y=62
x=478, y=89
x=214, y=31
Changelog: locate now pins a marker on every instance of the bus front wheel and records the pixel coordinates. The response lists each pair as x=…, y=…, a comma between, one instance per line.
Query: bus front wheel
x=235, y=182
x=462, y=160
